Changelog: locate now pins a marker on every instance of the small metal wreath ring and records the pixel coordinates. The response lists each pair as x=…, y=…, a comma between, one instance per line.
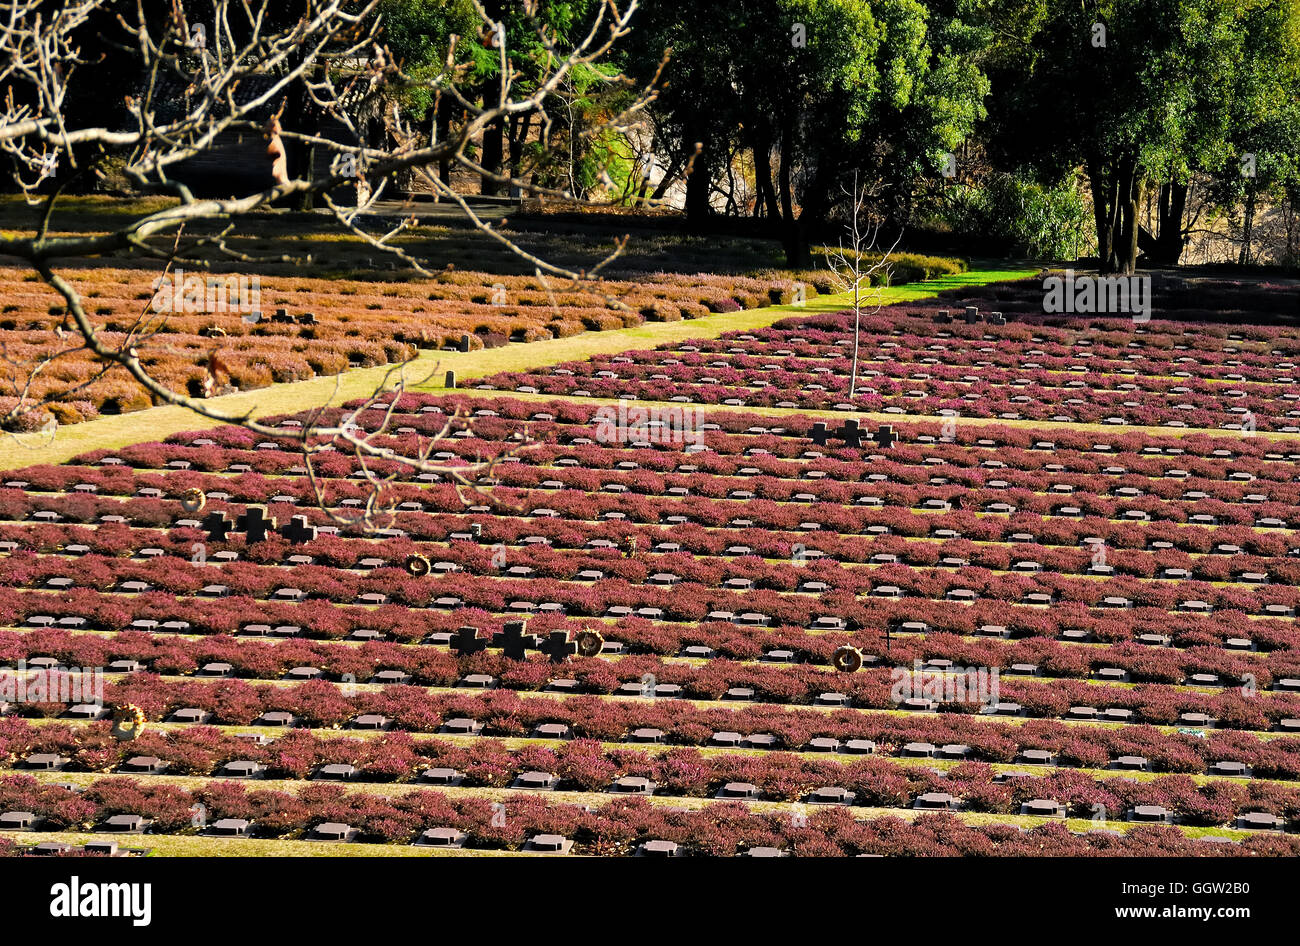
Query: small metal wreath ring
x=193, y=500
x=847, y=659
x=589, y=643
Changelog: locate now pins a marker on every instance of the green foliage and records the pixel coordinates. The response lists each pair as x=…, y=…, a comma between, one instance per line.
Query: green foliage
x=418, y=34
x=1260, y=108
x=1179, y=87
x=1021, y=216
x=882, y=86
x=901, y=268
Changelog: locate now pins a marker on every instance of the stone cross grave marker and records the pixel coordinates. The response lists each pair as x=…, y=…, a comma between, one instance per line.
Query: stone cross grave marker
x=850, y=433
x=467, y=641
x=558, y=646
x=217, y=524
x=255, y=523
x=515, y=642
x=298, y=530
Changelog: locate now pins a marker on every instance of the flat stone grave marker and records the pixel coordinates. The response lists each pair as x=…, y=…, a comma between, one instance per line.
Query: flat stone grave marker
x=242, y=768
x=549, y=844
x=48, y=848
x=932, y=800
x=1043, y=807
x=144, y=765
x=442, y=837
x=442, y=776
x=1150, y=813
x=1230, y=768
x=831, y=795
x=336, y=772
x=334, y=831
x=1037, y=756
x=1258, y=821
x=20, y=821
x=536, y=781
x=552, y=731
x=124, y=824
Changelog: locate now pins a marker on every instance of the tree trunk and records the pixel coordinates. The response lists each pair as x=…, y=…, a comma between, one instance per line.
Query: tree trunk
x=765, y=198
x=493, y=149
x=443, y=120
x=1116, y=197
x=1165, y=248
x=1130, y=193
x=698, y=185
x=666, y=181
x=793, y=236
x=1100, y=192
x=301, y=116
x=1247, y=229
x=519, y=129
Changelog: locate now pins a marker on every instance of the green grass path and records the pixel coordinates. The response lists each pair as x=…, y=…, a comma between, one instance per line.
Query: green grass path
x=159, y=422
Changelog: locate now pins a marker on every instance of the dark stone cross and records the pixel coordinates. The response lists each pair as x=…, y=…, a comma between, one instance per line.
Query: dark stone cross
x=217, y=524
x=514, y=642
x=558, y=646
x=971, y=315
x=850, y=433
x=299, y=531
x=464, y=343
x=450, y=381
x=885, y=436
x=255, y=523
x=476, y=530
x=997, y=318
x=467, y=641
x=820, y=434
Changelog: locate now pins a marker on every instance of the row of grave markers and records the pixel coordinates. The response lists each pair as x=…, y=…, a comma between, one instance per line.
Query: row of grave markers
x=970, y=316
x=853, y=434
x=257, y=525
x=514, y=642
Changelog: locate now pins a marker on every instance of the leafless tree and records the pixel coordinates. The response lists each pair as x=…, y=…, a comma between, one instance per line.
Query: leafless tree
x=333, y=55
x=855, y=264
